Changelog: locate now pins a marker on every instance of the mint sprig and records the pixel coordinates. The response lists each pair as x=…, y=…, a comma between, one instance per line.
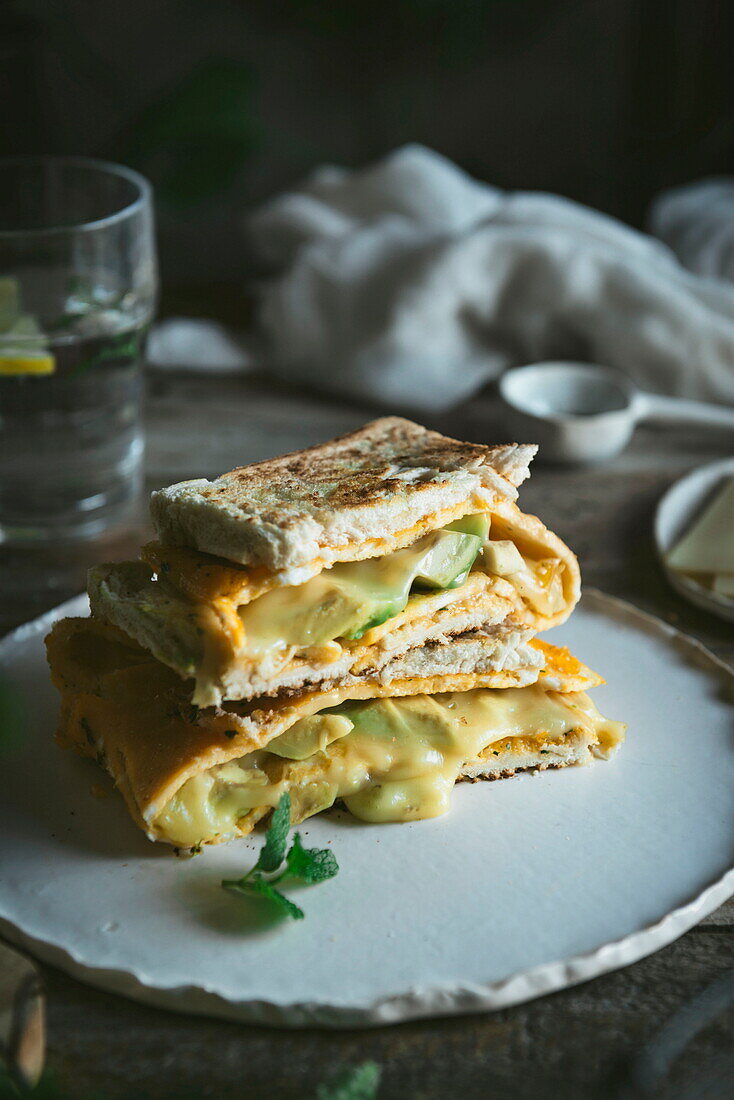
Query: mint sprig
x=253, y=884
x=310, y=865
x=272, y=852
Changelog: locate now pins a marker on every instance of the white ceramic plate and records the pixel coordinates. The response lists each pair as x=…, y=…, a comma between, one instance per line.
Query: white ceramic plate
x=677, y=510
x=527, y=886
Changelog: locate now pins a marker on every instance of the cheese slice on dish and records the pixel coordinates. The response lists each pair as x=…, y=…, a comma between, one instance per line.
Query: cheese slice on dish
x=391, y=748
x=708, y=545
x=723, y=585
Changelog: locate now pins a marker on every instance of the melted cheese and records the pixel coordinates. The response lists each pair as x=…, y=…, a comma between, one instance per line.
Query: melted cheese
x=422, y=608
x=364, y=600
x=210, y=804
x=540, y=585
x=245, y=617
x=347, y=600
x=394, y=759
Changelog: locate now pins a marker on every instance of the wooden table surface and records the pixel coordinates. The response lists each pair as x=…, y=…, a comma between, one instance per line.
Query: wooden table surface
x=600, y=1039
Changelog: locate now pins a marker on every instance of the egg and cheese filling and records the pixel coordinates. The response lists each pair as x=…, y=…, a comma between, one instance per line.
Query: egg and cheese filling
x=237, y=634
x=392, y=759
x=350, y=599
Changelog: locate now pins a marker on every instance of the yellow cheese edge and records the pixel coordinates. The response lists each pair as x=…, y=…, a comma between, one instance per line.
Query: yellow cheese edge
x=205, y=578
x=424, y=789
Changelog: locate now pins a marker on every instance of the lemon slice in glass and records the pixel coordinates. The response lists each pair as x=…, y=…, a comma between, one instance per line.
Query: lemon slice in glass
x=26, y=362
x=23, y=344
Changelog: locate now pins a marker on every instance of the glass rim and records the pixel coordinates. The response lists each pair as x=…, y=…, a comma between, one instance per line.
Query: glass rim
x=108, y=167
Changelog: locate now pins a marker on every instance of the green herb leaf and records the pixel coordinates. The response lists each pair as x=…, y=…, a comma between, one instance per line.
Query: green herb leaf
x=125, y=345
x=360, y=1083
x=272, y=853
x=259, y=886
x=310, y=864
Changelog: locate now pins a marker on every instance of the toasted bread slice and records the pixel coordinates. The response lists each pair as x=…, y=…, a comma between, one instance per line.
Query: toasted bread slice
x=363, y=495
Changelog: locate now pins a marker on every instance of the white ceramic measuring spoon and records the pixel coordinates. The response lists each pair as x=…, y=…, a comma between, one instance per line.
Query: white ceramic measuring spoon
x=583, y=413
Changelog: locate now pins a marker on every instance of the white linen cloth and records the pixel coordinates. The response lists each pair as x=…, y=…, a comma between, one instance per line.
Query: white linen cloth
x=410, y=283
x=191, y=343
x=697, y=222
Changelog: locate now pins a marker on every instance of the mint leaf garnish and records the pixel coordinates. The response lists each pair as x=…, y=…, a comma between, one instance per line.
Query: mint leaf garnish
x=310, y=865
x=360, y=1083
x=257, y=885
x=276, y=838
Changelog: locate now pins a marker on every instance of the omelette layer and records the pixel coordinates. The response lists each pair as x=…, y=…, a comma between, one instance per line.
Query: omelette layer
x=241, y=632
x=392, y=750
x=390, y=760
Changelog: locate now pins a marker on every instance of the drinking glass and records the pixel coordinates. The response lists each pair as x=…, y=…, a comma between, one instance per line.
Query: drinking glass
x=78, y=288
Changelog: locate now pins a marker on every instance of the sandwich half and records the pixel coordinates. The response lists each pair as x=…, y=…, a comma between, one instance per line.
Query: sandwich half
x=333, y=562
x=390, y=747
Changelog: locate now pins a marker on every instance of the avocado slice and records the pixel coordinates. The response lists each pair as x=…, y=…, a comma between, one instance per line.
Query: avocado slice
x=444, y=563
x=472, y=525
x=353, y=597
x=382, y=610
x=449, y=560
x=310, y=735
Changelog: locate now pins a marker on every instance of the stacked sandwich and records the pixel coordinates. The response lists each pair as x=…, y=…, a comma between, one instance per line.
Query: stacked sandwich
x=352, y=622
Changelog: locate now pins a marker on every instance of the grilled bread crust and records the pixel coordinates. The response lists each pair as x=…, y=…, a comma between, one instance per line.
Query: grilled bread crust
x=361, y=495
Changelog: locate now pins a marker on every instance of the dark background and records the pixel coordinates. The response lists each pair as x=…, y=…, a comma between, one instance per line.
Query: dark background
x=222, y=102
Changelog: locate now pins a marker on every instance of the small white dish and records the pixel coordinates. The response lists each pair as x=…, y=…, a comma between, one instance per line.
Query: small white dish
x=583, y=414
x=527, y=886
x=677, y=510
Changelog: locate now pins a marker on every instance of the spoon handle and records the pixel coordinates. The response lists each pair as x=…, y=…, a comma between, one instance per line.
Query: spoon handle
x=676, y=410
